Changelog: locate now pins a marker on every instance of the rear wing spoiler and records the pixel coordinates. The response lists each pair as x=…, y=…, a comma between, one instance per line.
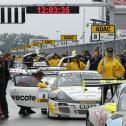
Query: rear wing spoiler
x=104, y=83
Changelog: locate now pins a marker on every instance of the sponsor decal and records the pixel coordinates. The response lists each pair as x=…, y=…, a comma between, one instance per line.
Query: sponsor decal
x=41, y=100
x=23, y=98
x=42, y=95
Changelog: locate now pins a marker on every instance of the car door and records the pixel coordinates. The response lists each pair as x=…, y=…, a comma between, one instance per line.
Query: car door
x=29, y=96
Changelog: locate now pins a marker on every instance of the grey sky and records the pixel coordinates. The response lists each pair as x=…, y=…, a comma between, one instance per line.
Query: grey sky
x=47, y=25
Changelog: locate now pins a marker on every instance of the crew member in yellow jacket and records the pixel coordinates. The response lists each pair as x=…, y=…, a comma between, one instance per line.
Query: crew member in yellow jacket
x=54, y=61
x=31, y=81
x=110, y=68
x=75, y=64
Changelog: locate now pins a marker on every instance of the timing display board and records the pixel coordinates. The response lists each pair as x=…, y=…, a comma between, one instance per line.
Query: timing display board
x=52, y=9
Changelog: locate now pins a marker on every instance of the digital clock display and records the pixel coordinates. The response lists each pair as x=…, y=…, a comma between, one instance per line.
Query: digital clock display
x=52, y=9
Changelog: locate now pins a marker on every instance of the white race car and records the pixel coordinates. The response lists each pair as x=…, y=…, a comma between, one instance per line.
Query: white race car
x=18, y=69
x=31, y=96
x=66, y=59
x=110, y=114
x=66, y=97
x=69, y=98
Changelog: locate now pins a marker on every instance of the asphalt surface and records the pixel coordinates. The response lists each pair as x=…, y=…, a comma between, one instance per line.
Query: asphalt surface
x=36, y=119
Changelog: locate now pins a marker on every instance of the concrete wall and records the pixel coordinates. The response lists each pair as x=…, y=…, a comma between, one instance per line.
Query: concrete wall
x=118, y=46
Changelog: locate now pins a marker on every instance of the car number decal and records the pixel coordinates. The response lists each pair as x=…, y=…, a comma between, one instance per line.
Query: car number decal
x=87, y=106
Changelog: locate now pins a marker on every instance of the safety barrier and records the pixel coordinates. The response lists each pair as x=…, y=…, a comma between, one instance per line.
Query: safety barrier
x=117, y=45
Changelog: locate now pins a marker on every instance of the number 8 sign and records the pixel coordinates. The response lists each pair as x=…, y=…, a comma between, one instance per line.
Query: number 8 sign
x=95, y=37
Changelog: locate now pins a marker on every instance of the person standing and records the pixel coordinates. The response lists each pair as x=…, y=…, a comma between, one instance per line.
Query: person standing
x=31, y=81
x=123, y=61
x=110, y=68
x=86, y=56
x=7, y=62
x=75, y=64
x=93, y=62
x=3, y=86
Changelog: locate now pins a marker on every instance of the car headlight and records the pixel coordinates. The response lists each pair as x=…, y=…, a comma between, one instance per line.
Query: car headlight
x=61, y=96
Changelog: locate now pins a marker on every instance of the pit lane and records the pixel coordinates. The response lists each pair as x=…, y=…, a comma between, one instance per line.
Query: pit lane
x=37, y=119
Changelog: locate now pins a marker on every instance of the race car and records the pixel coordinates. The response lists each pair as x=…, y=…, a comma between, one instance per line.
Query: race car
x=68, y=97
x=66, y=59
x=110, y=114
x=18, y=69
x=29, y=96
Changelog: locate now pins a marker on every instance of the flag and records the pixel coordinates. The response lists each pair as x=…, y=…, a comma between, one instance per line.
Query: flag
x=119, y=2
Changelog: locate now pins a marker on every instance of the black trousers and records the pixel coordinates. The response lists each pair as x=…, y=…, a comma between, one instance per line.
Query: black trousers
x=4, y=105
x=3, y=100
x=105, y=90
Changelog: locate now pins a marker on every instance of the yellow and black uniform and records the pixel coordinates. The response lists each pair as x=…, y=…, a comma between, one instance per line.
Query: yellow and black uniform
x=110, y=68
x=75, y=66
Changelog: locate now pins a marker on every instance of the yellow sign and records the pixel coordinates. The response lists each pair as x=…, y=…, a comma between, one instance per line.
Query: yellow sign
x=28, y=46
x=35, y=44
x=21, y=47
x=68, y=37
x=103, y=28
x=13, y=49
x=47, y=42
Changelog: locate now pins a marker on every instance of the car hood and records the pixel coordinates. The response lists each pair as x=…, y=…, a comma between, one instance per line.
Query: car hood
x=77, y=93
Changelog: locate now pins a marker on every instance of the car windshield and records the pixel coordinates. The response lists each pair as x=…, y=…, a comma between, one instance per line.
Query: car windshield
x=48, y=78
x=75, y=79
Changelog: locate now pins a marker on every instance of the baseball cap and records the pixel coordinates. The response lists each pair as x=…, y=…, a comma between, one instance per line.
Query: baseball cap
x=109, y=50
